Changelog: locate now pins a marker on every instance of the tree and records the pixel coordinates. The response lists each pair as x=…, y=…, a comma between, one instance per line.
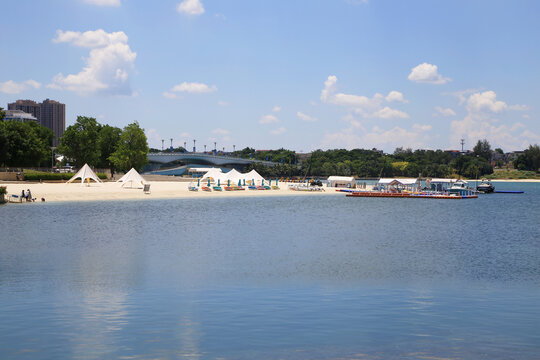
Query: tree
x=483, y=149
x=529, y=160
x=2, y=114
x=109, y=137
x=132, y=149
x=24, y=144
x=80, y=142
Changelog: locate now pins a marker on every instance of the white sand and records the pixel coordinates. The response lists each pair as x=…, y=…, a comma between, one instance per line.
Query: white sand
x=158, y=190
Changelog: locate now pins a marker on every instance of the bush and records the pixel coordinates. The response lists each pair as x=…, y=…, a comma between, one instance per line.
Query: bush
x=37, y=176
x=3, y=190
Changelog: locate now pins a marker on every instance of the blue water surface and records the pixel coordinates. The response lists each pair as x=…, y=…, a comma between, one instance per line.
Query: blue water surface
x=299, y=277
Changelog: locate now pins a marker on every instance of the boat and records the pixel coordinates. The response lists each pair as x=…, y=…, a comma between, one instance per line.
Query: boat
x=485, y=187
x=206, y=188
x=460, y=188
x=192, y=187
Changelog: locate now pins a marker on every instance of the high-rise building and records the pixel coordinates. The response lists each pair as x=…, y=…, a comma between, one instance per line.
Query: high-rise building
x=49, y=113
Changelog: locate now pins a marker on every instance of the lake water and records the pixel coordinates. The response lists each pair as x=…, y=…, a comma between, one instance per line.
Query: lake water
x=300, y=277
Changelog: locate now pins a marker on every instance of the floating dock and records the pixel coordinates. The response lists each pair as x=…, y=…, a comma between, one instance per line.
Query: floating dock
x=409, y=195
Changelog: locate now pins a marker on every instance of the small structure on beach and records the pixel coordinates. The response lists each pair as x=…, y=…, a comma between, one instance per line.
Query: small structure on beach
x=398, y=185
x=133, y=178
x=341, y=181
x=85, y=174
x=214, y=174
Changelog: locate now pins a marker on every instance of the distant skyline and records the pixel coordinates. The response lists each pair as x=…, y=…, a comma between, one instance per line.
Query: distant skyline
x=296, y=74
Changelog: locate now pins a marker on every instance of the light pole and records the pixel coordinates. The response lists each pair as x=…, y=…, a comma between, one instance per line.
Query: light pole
x=194, y=148
x=205, y=148
x=162, y=142
x=234, y=148
x=215, y=147
x=171, y=144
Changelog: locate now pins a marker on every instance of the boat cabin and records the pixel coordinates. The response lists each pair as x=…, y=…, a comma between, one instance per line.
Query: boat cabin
x=398, y=185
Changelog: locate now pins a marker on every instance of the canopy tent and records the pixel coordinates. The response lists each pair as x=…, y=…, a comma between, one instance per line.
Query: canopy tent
x=253, y=175
x=341, y=181
x=133, y=178
x=399, y=184
x=213, y=174
x=233, y=176
x=85, y=174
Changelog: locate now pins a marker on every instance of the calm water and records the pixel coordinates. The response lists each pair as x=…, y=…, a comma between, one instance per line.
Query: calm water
x=311, y=277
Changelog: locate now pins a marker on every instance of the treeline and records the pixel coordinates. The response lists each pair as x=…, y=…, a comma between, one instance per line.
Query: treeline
x=373, y=163
x=529, y=160
x=24, y=144
x=104, y=146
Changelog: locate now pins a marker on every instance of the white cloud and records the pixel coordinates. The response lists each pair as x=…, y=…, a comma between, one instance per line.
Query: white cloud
x=268, y=119
x=517, y=107
x=278, y=131
x=363, y=105
x=526, y=116
x=427, y=73
x=378, y=138
x=387, y=113
x=479, y=123
x=444, y=112
x=107, y=68
x=12, y=87
x=170, y=95
x=276, y=108
x=305, y=117
x=191, y=7
x=222, y=103
x=104, y=2
x=395, y=96
x=194, y=88
x=485, y=101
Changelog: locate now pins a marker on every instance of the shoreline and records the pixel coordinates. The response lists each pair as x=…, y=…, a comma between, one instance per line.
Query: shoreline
x=111, y=191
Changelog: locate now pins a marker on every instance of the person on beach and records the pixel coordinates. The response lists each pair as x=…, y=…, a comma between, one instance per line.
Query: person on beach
x=28, y=195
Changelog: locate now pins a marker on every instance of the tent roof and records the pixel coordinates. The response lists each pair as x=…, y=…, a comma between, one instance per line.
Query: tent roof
x=253, y=175
x=340, y=178
x=132, y=176
x=85, y=173
x=233, y=175
x=389, y=181
x=446, y=181
x=214, y=173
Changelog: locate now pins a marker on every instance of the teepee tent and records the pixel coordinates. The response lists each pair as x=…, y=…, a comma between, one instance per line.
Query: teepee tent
x=133, y=178
x=85, y=174
x=233, y=176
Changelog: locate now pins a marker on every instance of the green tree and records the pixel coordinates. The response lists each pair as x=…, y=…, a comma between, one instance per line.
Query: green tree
x=80, y=142
x=2, y=114
x=483, y=149
x=132, y=149
x=529, y=160
x=108, y=139
x=24, y=144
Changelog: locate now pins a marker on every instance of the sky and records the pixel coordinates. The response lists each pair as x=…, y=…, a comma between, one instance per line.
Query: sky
x=298, y=74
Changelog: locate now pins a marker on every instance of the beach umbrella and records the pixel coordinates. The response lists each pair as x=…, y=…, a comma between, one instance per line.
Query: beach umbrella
x=218, y=182
x=262, y=182
x=198, y=182
x=239, y=182
x=244, y=182
x=208, y=182
x=228, y=182
x=270, y=182
x=252, y=182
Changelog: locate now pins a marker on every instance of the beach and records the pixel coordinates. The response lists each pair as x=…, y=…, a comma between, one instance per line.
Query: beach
x=55, y=192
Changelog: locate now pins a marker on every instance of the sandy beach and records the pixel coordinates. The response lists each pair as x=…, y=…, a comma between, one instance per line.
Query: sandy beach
x=55, y=192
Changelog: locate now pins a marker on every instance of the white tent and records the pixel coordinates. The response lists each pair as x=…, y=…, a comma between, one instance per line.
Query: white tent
x=253, y=175
x=233, y=176
x=213, y=174
x=341, y=181
x=85, y=174
x=133, y=178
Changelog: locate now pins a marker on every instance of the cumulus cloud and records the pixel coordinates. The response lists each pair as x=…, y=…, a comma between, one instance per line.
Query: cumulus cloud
x=427, y=73
x=12, y=87
x=378, y=138
x=367, y=107
x=222, y=103
x=444, y=112
x=104, y=2
x=480, y=123
x=194, y=88
x=268, y=119
x=305, y=117
x=278, y=131
x=190, y=7
x=395, y=96
x=276, y=108
x=108, y=67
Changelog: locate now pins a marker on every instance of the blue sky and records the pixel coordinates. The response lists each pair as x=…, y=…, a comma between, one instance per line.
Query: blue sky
x=296, y=74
